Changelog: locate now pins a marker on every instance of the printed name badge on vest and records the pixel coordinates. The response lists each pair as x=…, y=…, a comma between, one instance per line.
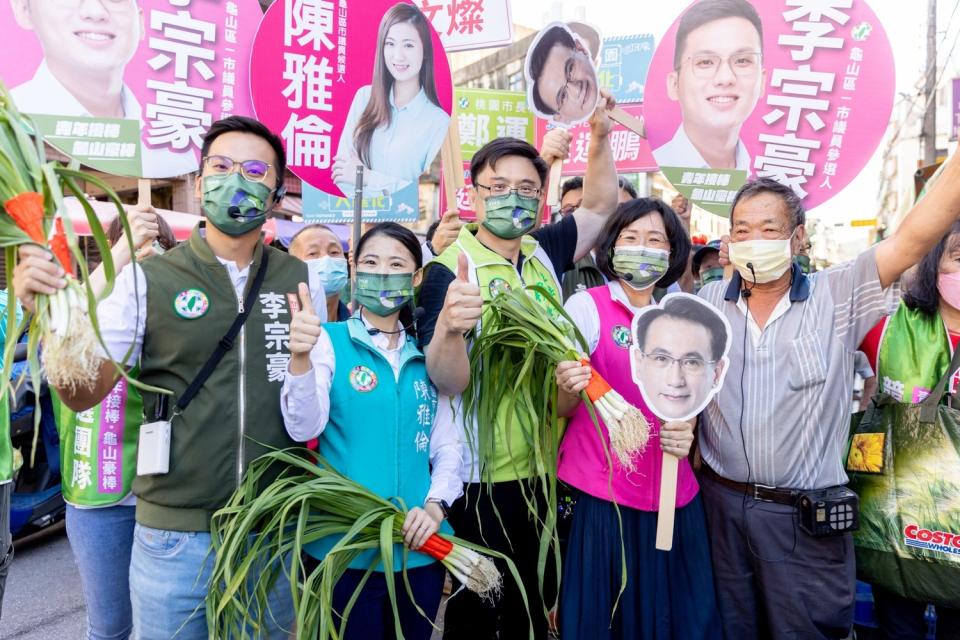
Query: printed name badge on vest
x=191, y=304
x=498, y=286
x=363, y=379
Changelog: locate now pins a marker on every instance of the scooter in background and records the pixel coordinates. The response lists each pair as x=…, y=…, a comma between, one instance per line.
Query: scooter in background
x=37, y=501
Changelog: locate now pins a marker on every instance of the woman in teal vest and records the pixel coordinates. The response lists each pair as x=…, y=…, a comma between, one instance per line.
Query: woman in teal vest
x=98, y=458
x=910, y=351
x=374, y=415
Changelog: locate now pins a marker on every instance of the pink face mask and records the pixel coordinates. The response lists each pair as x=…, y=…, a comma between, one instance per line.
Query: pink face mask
x=949, y=286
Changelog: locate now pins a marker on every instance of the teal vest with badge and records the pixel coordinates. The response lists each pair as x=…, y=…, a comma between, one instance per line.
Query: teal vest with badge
x=378, y=432
x=236, y=416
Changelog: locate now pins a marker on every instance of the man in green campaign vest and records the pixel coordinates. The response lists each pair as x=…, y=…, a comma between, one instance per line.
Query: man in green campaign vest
x=504, y=250
x=172, y=310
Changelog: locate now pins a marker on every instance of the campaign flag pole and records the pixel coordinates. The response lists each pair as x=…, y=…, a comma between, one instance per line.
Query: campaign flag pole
x=357, y=224
x=668, y=502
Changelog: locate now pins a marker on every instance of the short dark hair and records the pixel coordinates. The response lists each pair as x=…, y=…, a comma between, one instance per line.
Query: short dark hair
x=689, y=310
x=627, y=186
x=243, y=124
x=538, y=58
x=571, y=185
x=791, y=201
x=707, y=11
x=628, y=213
x=309, y=227
x=409, y=240
x=922, y=293
x=491, y=153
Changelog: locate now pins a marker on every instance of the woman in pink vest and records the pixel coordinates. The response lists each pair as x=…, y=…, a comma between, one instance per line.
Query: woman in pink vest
x=668, y=594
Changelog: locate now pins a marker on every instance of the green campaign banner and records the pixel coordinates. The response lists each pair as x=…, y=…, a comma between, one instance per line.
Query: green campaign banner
x=111, y=145
x=484, y=114
x=711, y=189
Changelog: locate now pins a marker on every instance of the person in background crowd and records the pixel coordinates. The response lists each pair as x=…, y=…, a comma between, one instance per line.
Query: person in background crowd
x=442, y=234
x=508, y=177
x=910, y=351
x=170, y=321
x=379, y=341
x=321, y=249
x=667, y=595
x=101, y=505
x=781, y=422
x=705, y=264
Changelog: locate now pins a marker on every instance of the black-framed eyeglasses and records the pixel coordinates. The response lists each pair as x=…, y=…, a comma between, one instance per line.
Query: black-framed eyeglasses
x=524, y=191
x=252, y=170
x=688, y=364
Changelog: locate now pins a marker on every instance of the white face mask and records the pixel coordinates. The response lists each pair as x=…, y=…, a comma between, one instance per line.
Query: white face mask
x=770, y=259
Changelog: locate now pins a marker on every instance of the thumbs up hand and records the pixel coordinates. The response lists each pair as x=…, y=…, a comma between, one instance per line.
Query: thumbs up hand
x=304, y=332
x=463, y=305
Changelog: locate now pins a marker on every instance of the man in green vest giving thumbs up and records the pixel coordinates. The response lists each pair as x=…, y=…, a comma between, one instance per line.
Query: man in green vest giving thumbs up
x=171, y=311
x=504, y=250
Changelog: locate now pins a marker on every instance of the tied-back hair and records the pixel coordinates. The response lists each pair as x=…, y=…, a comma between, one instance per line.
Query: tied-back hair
x=377, y=112
x=166, y=238
x=921, y=293
x=410, y=242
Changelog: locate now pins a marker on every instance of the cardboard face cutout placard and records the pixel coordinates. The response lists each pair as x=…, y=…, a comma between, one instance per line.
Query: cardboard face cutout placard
x=562, y=84
x=679, y=355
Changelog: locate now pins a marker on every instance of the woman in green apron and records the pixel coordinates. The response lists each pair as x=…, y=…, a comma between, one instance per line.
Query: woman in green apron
x=98, y=458
x=910, y=351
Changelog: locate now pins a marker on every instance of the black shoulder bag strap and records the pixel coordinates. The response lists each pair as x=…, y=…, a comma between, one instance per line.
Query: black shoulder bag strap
x=226, y=342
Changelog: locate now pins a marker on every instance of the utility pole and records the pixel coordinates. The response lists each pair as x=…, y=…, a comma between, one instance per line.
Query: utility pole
x=929, y=132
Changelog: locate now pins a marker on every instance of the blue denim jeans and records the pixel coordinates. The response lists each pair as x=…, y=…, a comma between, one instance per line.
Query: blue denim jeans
x=169, y=576
x=101, y=540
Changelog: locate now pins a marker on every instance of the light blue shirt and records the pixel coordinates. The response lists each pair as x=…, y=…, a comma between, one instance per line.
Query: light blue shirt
x=3, y=317
x=400, y=151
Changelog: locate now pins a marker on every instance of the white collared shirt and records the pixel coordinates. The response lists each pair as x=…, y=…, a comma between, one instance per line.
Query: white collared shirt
x=305, y=403
x=585, y=315
x=45, y=95
x=680, y=152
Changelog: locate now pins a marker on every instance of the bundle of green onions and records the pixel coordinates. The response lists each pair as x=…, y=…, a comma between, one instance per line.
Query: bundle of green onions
x=525, y=334
x=32, y=212
x=265, y=525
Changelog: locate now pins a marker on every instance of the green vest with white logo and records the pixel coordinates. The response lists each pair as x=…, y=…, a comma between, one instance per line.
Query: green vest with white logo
x=235, y=417
x=492, y=273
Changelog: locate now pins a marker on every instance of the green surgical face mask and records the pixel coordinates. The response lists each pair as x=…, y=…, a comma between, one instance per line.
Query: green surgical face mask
x=510, y=216
x=233, y=204
x=710, y=275
x=384, y=293
x=640, y=267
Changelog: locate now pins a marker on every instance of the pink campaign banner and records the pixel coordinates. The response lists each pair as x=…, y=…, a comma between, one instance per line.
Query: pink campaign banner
x=129, y=86
x=807, y=106
x=631, y=153
x=353, y=82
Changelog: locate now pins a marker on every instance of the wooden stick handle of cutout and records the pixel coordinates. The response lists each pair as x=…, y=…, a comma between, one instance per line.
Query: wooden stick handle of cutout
x=668, y=502
x=451, y=163
x=553, y=183
x=143, y=192
x=633, y=123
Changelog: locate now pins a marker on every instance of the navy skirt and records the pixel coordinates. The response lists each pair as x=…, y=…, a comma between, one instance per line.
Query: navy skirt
x=669, y=595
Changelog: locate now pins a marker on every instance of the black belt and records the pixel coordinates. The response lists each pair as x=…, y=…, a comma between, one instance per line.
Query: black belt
x=762, y=492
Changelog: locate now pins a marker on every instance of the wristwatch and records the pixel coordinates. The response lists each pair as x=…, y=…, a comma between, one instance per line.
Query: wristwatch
x=429, y=244
x=444, y=507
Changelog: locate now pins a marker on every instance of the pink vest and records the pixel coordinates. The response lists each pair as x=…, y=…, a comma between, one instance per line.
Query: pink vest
x=582, y=461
